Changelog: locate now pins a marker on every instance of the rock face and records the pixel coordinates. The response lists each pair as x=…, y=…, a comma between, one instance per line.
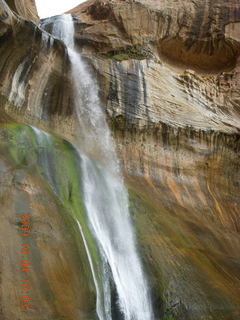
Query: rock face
x=33, y=67
x=186, y=34
x=57, y=271
x=24, y=8
x=169, y=75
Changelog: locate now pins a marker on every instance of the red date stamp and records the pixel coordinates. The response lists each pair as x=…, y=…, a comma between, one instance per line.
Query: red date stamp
x=25, y=263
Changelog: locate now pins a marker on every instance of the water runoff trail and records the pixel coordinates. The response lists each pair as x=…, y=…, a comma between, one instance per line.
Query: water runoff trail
x=105, y=197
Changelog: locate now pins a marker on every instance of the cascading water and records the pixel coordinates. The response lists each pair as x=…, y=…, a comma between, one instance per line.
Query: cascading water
x=105, y=197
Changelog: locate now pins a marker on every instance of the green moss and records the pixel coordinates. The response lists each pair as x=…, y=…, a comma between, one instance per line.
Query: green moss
x=19, y=143
x=120, y=57
x=127, y=53
x=57, y=163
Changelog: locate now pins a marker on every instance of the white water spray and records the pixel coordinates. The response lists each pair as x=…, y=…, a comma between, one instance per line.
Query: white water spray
x=105, y=197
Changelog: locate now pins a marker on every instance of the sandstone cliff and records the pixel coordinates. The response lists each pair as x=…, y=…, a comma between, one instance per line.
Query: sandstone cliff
x=24, y=8
x=169, y=75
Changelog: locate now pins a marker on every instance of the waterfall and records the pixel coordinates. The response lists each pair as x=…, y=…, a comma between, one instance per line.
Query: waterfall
x=105, y=196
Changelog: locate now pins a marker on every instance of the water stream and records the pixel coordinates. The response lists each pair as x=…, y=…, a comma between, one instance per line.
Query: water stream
x=105, y=197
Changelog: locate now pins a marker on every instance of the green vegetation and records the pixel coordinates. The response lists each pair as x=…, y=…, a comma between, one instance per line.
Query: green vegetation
x=120, y=57
x=127, y=53
x=57, y=164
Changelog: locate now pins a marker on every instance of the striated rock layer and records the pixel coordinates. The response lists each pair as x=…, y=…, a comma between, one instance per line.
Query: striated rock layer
x=25, y=8
x=169, y=75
